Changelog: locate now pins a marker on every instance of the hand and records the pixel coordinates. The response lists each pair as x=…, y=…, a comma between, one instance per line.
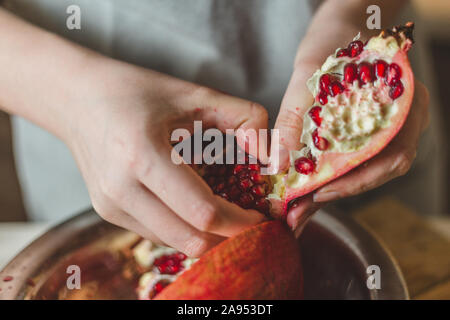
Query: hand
x=393, y=161
x=119, y=136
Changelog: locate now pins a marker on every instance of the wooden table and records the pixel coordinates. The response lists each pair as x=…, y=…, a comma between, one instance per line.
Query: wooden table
x=421, y=247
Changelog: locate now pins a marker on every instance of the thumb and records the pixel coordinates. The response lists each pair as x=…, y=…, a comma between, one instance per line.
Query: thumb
x=289, y=124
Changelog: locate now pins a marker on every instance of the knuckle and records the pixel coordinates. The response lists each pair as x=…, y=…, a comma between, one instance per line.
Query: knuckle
x=195, y=246
x=258, y=110
x=404, y=162
x=206, y=216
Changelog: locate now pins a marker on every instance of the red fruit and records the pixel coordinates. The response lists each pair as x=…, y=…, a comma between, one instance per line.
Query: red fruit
x=334, y=163
x=170, y=264
x=314, y=113
x=320, y=142
x=365, y=72
x=342, y=53
x=324, y=83
x=263, y=205
x=323, y=99
x=259, y=190
x=355, y=48
x=158, y=288
x=336, y=88
x=260, y=263
x=380, y=68
x=396, y=90
x=394, y=73
x=304, y=165
x=350, y=73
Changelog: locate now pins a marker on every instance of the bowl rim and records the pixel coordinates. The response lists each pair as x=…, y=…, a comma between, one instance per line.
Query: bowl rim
x=362, y=242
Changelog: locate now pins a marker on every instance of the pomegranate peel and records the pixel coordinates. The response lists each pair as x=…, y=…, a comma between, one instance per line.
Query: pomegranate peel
x=262, y=262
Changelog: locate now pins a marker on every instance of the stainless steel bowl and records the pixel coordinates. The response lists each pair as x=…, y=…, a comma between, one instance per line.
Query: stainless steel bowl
x=336, y=253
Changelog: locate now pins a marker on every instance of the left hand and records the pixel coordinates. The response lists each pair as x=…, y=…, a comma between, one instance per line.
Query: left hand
x=395, y=160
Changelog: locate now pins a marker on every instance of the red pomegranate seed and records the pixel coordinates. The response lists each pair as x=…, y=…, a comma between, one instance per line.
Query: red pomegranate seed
x=259, y=190
x=232, y=180
x=238, y=168
x=320, y=142
x=234, y=193
x=396, y=90
x=355, y=48
x=323, y=99
x=169, y=264
x=159, y=286
x=246, y=200
x=380, y=68
x=336, y=88
x=245, y=184
x=262, y=205
x=314, y=113
x=304, y=165
x=254, y=167
x=342, y=53
x=393, y=74
x=324, y=83
x=256, y=177
x=365, y=72
x=350, y=73
x=219, y=187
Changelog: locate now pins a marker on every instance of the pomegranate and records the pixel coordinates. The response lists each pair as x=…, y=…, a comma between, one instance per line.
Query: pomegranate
x=262, y=262
x=362, y=96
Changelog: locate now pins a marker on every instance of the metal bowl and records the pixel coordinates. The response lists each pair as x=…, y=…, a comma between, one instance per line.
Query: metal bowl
x=336, y=254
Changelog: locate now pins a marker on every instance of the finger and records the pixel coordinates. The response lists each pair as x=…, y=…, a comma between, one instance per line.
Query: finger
x=167, y=226
x=122, y=219
x=296, y=101
x=300, y=212
x=223, y=111
x=186, y=194
x=395, y=160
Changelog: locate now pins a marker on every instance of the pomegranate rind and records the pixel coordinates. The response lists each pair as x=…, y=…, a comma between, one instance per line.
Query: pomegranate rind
x=262, y=262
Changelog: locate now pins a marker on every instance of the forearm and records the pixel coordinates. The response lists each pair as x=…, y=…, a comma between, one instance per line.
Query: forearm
x=335, y=23
x=40, y=72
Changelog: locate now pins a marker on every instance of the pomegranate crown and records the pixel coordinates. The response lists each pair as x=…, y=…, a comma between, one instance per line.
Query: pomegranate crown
x=403, y=35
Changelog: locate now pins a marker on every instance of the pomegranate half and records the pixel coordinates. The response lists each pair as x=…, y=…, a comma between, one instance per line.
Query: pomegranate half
x=262, y=262
x=363, y=94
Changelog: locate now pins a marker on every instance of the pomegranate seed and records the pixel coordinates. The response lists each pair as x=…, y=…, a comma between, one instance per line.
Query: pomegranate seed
x=324, y=83
x=246, y=200
x=320, y=142
x=256, y=177
x=396, y=90
x=380, y=68
x=234, y=192
x=254, y=167
x=314, y=113
x=365, y=72
x=225, y=196
x=350, y=73
x=342, y=53
x=393, y=74
x=336, y=88
x=259, y=190
x=219, y=187
x=238, y=168
x=245, y=184
x=323, y=99
x=232, y=180
x=159, y=286
x=355, y=48
x=304, y=165
x=262, y=205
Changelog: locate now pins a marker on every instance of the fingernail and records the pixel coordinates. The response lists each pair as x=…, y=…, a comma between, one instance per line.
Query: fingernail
x=326, y=196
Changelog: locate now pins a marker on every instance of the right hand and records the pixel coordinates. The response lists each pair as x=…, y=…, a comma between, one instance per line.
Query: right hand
x=119, y=135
